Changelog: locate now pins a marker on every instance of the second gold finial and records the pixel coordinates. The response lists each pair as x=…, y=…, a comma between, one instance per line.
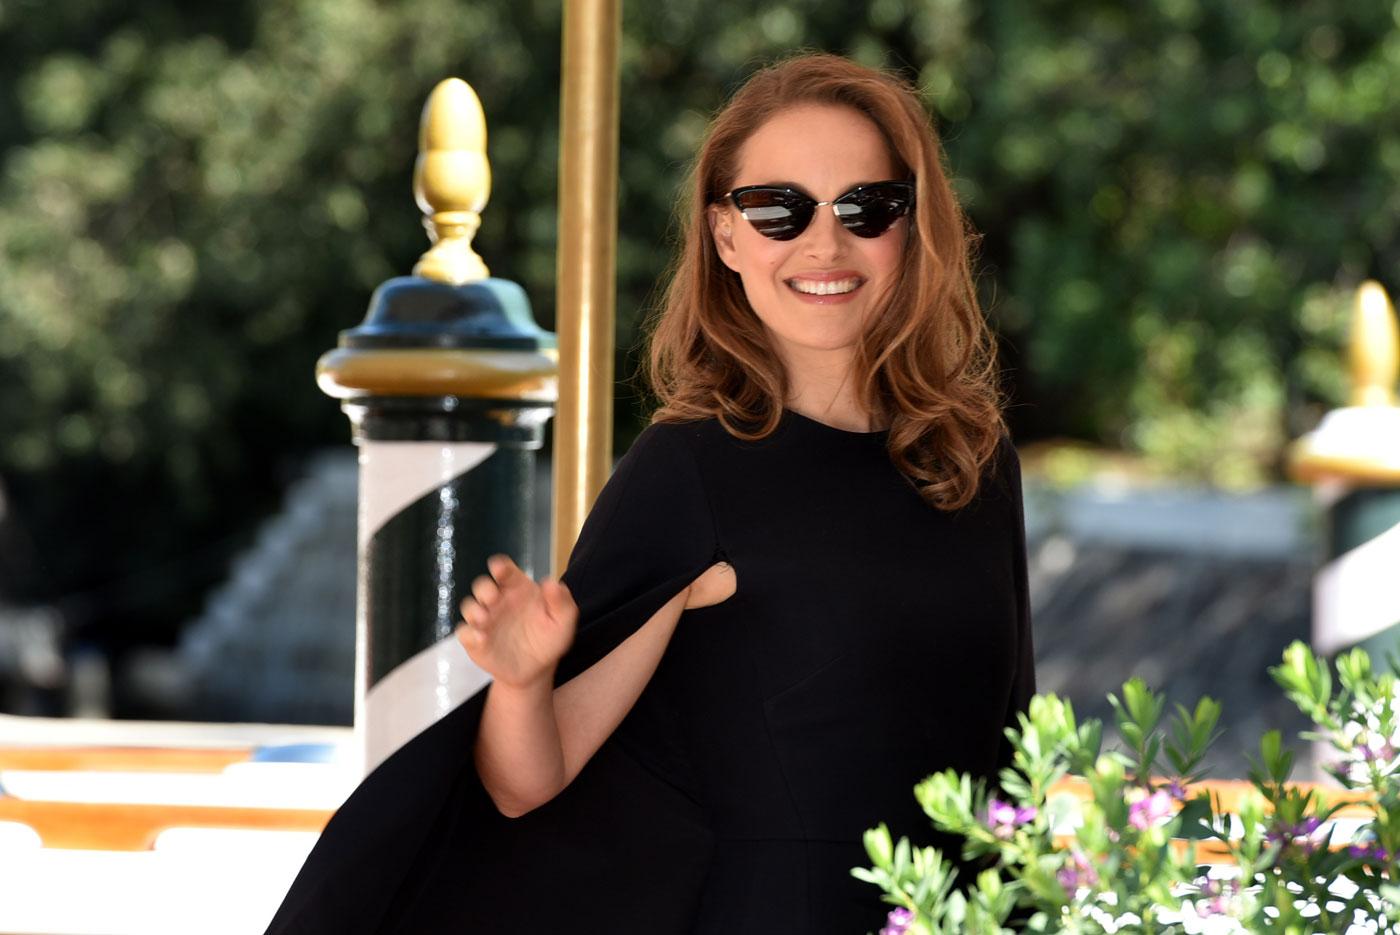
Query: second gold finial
x=1375, y=347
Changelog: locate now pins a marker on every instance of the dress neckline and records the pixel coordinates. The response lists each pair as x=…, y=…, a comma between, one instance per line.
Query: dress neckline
x=798, y=417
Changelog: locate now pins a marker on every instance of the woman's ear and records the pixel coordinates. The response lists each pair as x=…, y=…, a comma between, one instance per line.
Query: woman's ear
x=722, y=230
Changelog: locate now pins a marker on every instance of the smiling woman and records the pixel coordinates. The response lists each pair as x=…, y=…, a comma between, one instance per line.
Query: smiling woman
x=826, y=269
x=802, y=590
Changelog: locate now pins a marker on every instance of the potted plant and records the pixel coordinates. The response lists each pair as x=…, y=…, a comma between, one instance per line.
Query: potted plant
x=1085, y=840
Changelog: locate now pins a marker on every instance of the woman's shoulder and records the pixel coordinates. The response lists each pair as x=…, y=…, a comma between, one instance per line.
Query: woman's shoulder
x=667, y=454
x=690, y=435
x=696, y=454
x=1007, y=458
x=1002, y=478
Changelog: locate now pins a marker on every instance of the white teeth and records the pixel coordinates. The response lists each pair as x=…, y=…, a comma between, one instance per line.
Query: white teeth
x=814, y=287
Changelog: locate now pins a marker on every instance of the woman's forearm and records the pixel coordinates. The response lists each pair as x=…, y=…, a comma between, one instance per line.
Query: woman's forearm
x=518, y=753
x=534, y=740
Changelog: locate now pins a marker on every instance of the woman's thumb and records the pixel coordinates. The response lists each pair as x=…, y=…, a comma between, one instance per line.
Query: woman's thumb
x=557, y=598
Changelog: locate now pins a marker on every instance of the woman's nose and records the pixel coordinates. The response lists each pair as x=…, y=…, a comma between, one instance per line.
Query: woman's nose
x=825, y=236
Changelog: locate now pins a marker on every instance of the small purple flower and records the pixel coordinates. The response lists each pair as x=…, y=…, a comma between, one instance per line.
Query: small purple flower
x=897, y=922
x=1299, y=838
x=1377, y=749
x=1217, y=896
x=1369, y=850
x=1370, y=750
x=1004, y=818
x=1151, y=810
x=1176, y=790
x=1077, y=872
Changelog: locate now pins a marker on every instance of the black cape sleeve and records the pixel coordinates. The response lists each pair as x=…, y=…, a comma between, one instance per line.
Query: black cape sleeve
x=419, y=847
x=1023, y=682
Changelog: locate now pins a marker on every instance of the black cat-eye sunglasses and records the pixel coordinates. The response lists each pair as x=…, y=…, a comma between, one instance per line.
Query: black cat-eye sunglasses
x=783, y=213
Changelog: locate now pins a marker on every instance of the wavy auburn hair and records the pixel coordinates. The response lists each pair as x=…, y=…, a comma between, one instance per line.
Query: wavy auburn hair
x=926, y=364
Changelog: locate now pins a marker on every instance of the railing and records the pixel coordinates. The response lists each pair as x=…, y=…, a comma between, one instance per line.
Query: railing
x=162, y=828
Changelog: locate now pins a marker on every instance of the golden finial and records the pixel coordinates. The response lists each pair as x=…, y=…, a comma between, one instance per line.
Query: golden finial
x=1375, y=347
x=1360, y=443
x=452, y=182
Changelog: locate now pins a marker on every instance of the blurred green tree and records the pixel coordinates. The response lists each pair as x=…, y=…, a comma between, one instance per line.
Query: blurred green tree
x=1176, y=197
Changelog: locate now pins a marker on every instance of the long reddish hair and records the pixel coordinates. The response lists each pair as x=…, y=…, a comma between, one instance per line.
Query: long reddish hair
x=926, y=364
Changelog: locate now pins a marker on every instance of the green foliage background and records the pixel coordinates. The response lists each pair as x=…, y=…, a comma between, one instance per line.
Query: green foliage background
x=1177, y=199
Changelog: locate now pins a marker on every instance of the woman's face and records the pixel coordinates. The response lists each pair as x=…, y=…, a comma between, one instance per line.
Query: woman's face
x=823, y=151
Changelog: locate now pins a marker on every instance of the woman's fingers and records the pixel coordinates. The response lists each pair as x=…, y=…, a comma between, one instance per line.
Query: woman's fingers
x=557, y=599
x=512, y=627
x=506, y=572
x=484, y=603
x=485, y=590
x=475, y=614
x=470, y=637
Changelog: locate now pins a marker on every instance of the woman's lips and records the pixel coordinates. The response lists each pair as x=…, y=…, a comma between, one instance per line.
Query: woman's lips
x=825, y=289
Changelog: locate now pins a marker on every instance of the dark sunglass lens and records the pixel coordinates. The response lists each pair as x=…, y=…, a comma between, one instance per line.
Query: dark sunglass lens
x=775, y=213
x=871, y=211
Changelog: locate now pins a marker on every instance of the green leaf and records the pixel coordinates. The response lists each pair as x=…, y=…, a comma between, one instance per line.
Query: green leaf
x=879, y=846
x=1088, y=745
x=1015, y=785
x=1277, y=761
x=1144, y=706
x=1305, y=680
x=1149, y=756
x=1353, y=668
x=1270, y=745
x=1192, y=735
x=1197, y=819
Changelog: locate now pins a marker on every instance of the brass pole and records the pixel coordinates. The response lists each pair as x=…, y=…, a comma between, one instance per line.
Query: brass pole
x=586, y=294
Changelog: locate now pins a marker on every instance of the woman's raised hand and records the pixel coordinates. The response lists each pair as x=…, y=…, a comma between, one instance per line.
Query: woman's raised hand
x=513, y=628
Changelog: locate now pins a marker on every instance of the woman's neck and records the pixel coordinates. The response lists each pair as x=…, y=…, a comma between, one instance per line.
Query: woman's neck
x=849, y=417
x=834, y=404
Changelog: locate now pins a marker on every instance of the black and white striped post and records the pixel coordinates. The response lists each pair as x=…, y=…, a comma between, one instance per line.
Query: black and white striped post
x=448, y=383
x=1352, y=460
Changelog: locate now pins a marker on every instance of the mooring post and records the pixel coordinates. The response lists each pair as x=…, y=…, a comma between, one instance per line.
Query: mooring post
x=1352, y=460
x=448, y=383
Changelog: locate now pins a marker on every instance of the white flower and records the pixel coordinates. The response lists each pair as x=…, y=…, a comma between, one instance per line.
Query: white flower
x=1194, y=923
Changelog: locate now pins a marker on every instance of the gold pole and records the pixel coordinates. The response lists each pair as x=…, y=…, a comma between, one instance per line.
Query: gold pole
x=587, y=248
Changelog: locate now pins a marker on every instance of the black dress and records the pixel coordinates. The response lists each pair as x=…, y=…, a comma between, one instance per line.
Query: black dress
x=872, y=640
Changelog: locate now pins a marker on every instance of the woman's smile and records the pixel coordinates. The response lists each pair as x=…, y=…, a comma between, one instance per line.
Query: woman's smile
x=826, y=288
